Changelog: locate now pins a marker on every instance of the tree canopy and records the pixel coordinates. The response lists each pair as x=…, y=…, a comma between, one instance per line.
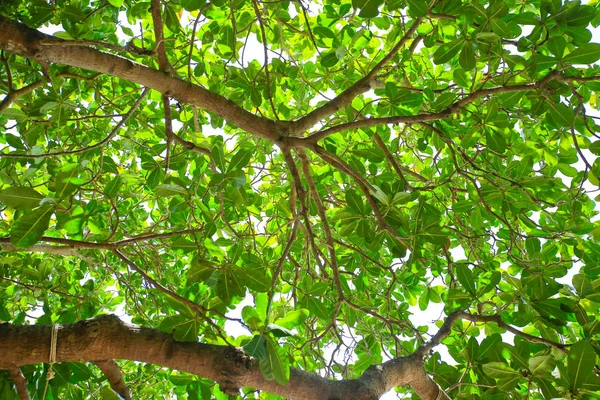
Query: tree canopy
x=267, y=191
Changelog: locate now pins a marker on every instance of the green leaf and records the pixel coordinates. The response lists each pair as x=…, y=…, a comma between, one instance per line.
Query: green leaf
x=192, y=5
x=372, y=154
x=330, y=59
x=200, y=270
x=317, y=307
x=240, y=160
x=229, y=285
x=323, y=32
x=595, y=148
x=548, y=390
x=465, y=277
x=561, y=114
x=509, y=383
x=30, y=227
x=257, y=347
x=217, y=155
x=500, y=28
x=472, y=349
x=495, y=141
x=586, y=54
x=582, y=285
x=293, y=318
x=275, y=365
x=278, y=331
x=80, y=372
x=557, y=46
x=256, y=278
x=499, y=370
x=15, y=114
x=542, y=365
x=113, y=186
x=171, y=19
x=461, y=78
x=447, y=51
x=168, y=190
x=368, y=8
x=417, y=8
x=467, y=58
x=580, y=363
x=355, y=202
x=186, y=331
x=444, y=100
x=21, y=198
x=181, y=380
x=67, y=181
x=108, y=394
x=185, y=245
x=116, y=3
x=253, y=319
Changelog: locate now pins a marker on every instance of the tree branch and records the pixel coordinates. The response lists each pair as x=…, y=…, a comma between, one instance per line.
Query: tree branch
x=20, y=383
x=498, y=320
x=323, y=216
x=446, y=329
x=71, y=246
x=365, y=187
x=112, y=372
x=161, y=54
x=15, y=94
x=19, y=39
x=411, y=119
x=108, y=338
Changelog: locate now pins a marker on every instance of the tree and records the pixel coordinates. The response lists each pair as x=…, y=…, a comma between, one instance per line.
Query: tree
x=371, y=158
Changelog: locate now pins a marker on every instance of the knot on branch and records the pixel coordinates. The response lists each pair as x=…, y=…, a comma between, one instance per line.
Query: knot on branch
x=231, y=364
x=94, y=325
x=229, y=388
x=235, y=356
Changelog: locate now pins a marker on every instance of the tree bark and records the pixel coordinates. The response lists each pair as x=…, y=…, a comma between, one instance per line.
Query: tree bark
x=107, y=337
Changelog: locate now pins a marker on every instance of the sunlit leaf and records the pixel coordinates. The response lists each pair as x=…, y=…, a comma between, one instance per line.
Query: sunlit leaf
x=30, y=227
x=21, y=198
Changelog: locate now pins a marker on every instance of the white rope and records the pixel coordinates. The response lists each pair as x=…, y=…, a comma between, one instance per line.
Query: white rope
x=52, y=360
x=53, y=340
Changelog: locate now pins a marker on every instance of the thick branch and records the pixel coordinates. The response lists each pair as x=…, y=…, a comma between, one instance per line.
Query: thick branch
x=20, y=383
x=112, y=372
x=106, y=337
x=19, y=39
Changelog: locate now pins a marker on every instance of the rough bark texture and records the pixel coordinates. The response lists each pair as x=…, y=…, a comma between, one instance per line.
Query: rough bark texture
x=106, y=338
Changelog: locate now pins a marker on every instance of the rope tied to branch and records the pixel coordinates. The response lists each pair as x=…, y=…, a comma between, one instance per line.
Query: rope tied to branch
x=53, y=340
x=52, y=357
